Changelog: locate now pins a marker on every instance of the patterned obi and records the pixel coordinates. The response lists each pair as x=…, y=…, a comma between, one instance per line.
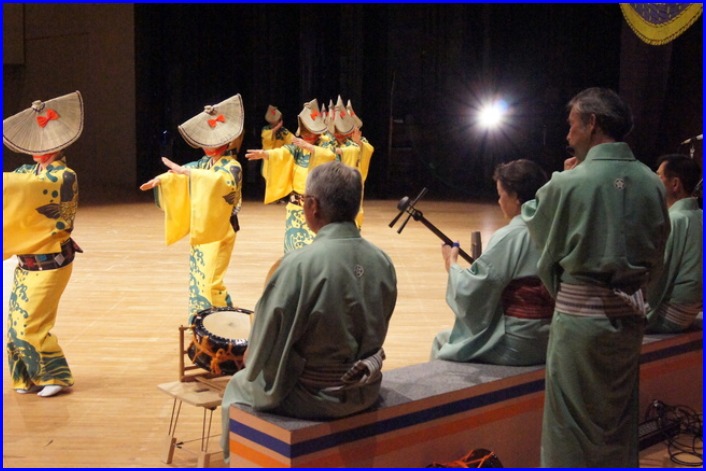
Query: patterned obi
x=50, y=261
x=682, y=315
x=527, y=298
x=599, y=301
x=296, y=198
x=332, y=378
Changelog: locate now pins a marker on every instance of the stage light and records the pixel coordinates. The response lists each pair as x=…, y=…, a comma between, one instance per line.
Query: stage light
x=491, y=116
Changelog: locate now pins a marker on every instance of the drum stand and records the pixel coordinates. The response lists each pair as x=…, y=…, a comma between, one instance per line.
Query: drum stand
x=202, y=389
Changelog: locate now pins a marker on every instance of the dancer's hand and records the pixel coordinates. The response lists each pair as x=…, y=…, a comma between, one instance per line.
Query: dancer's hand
x=150, y=184
x=176, y=168
x=256, y=154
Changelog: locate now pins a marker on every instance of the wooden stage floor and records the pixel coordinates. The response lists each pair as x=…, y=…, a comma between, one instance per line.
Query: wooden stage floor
x=119, y=318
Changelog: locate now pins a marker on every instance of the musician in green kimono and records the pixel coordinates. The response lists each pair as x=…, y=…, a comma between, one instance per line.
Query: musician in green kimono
x=502, y=310
x=315, y=349
x=601, y=226
x=675, y=298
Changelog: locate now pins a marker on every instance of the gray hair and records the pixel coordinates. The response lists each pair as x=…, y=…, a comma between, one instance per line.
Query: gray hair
x=613, y=115
x=338, y=189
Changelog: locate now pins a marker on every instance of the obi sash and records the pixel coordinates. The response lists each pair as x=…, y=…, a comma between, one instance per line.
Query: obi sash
x=527, y=298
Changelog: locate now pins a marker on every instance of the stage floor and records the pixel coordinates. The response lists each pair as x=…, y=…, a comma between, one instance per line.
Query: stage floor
x=119, y=318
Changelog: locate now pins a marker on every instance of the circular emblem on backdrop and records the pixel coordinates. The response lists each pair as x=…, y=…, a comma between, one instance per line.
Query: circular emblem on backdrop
x=358, y=271
x=660, y=23
x=619, y=183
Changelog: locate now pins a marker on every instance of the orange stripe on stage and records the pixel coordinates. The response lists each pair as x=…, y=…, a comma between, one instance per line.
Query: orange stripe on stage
x=401, y=441
x=396, y=441
x=670, y=365
x=261, y=459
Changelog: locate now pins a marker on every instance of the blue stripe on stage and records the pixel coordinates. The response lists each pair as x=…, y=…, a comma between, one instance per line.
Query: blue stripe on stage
x=671, y=351
x=420, y=417
x=383, y=426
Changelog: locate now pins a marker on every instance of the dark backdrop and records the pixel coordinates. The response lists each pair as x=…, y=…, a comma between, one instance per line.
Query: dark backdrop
x=415, y=73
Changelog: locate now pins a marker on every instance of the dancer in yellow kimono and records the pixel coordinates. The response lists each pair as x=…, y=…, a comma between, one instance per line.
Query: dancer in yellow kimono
x=273, y=134
x=39, y=206
x=354, y=150
x=202, y=199
x=288, y=166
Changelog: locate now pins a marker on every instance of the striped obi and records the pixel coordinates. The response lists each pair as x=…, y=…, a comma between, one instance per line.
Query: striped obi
x=599, y=301
x=50, y=261
x=680, y=314
x=527, y=298
x=340, y=377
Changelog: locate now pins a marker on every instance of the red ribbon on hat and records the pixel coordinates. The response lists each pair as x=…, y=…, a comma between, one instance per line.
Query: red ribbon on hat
x=314, y=115
x=43, y=120
x=343, y=114
x=214, y=121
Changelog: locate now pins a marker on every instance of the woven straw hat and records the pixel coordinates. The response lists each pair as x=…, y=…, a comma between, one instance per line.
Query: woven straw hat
x=216, y=126
x=310, y=117
x=356, y=119
x=45, y=127
x=330, y=126
x=273, y=115
x=342, y=119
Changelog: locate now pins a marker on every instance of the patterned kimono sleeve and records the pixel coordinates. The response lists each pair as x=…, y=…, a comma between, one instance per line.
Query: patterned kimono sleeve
x=278, y=173
x=328, y=143
x=172, y=196
x=366, y=153
x=36, y=219
x=273, y=140
x=322, y=154
x=213, y=196
x=350, y=154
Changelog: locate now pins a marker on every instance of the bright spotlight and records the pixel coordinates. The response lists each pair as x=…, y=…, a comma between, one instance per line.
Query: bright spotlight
x=491, y=116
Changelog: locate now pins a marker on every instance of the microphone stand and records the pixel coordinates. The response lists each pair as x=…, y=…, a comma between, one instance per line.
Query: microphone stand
x=405, y=206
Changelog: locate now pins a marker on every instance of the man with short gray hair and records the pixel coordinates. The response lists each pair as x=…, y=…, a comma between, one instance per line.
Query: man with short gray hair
x=601, y=225
x=315, y=350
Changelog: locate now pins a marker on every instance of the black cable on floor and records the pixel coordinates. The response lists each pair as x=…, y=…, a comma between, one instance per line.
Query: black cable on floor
x=682, y=428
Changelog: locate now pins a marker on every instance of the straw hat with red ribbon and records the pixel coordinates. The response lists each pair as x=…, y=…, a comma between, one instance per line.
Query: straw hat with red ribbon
x=343, y=121
x=310, y=118
x=356, y=119
x=45, y=127
x=216, y=126
x=273, y=115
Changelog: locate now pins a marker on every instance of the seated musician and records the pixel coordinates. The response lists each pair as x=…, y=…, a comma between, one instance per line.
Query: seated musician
x=315, y=349
x=502, y=309
x=675, y=297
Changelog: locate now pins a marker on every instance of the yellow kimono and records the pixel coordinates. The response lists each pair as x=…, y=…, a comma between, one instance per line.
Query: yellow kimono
x=204, y=205
x=358, y=157
x=273, y=140
x=286, y=172
x=39, y=207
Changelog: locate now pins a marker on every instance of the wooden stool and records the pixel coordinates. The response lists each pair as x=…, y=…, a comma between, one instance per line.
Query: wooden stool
x=199, y=388
x=199, y=394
